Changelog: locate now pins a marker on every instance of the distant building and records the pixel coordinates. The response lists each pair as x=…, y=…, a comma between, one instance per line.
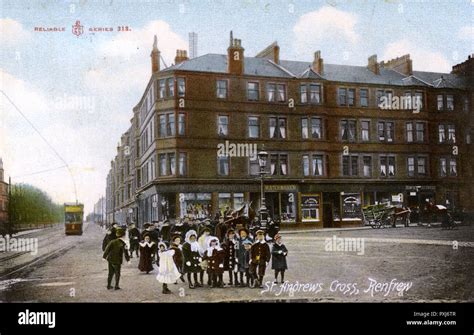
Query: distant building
x=3, y=195
x=193, y=45
x=332, y=147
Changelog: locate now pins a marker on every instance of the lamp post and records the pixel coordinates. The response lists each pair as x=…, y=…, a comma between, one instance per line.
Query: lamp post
x=262, y=162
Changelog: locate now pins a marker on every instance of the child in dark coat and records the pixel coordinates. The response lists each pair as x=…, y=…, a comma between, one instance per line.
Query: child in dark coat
x=279, y=253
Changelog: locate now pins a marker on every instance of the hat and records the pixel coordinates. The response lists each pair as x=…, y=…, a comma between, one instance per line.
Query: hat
x=146, y=225
x=277, y=236
x=203, y=230
x=229, y=231
x=175, y=236
x=247, y=241
x=244, y=229
x=260, y=232
x=120, y=232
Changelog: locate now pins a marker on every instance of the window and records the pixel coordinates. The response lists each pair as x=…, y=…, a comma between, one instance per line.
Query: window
x=417, y=166
x=315, y=93
x=421, y=166
x=315, y=128
x=181, y=124
x=181, y=87
x=252, y=91
x=305, y=165
x=341, y=97
x=170, y=127
x=182, y=164
x=364, y=97
x=465, y=105
x=387, y=166
x=348, y=130
x=171, y=87
x=367, y=166
x=277, y=127
x=351, y=97
x=254, y=127
x=420, y=132
x=415, y=131
x=222, y=89
x=365, y=130
x=449, y=102
x=271, y=88
x=418, y=101
x=254, y=168
x=223, y=165
x=448, y=167
x=167, y=125
x=310, y=93
x=317, y=165
x=162, y=89
x=313, y=168
x=409, y=132
x=385, y=131
x=440, y=101
x=451, y=133
x=223, y=125
x=411, y=166
x=163, y=165
x=279, y=164
x=281, y=89
x=303, y=94
x=350, y=165
x=446, y=133
x=383, y=96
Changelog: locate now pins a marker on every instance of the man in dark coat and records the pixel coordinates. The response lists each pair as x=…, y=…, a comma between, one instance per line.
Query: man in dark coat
x=230, y=260
x=259, y=258
x=178, y=229
x=134, y=237
x=221, y=229
x=108, y=237
x=165, y=231
x=114, y=253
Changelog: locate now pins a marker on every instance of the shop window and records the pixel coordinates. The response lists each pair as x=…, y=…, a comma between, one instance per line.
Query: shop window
x=351, y=206
x=310, y=208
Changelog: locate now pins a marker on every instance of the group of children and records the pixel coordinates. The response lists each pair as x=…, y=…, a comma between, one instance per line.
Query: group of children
x=242, y=256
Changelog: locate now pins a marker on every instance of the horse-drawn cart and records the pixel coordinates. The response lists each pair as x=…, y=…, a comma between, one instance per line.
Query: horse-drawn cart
x=381, y=215
x=377, y=216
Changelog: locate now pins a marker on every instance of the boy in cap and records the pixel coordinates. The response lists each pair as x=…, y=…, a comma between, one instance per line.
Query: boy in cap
x=259, y=258
x=114, y=253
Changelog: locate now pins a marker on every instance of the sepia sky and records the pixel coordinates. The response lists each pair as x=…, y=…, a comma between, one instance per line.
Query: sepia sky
x=79, y=91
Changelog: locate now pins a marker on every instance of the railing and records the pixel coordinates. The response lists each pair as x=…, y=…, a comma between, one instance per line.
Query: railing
x=31, y=226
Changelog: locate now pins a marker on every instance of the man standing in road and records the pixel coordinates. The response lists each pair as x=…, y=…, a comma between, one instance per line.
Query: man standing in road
x=114, y=253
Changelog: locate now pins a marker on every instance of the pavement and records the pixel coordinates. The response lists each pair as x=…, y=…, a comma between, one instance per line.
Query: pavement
x=404, y=264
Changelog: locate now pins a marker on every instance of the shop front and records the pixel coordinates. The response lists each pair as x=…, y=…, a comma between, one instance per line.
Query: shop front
x=281, y=202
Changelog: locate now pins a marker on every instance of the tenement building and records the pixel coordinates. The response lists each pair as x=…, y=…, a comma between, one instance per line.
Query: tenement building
x=338, y=137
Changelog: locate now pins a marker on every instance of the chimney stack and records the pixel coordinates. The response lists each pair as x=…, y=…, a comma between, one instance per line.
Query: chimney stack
x=155, y=57
x=373, y=65
x=402, y=64
x=181, y=56
x=271, y=52
x=235, y=56
x=465, y=68
x=318, y=64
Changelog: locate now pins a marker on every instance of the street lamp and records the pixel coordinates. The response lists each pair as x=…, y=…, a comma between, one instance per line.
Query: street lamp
x=262, y=162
